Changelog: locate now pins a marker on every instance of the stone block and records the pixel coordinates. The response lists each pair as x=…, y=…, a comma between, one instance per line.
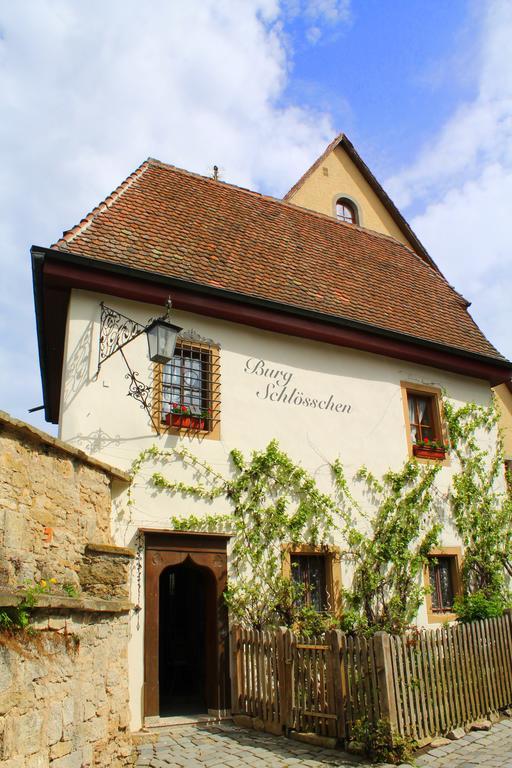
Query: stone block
x=455, y=733
x=54, y=723
x=439, y=741
x=72, y=760
x=60, y=749
x=481, y=725
x=325, y=742
x=243, y=721
x=6, y=677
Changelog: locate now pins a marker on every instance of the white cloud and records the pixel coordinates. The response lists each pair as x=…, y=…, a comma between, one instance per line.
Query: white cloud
x=90, y=89
x=461, y=184
x=319, y=16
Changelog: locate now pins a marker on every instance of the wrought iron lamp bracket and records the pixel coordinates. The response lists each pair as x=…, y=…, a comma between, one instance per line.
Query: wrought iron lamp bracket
x=116, y=331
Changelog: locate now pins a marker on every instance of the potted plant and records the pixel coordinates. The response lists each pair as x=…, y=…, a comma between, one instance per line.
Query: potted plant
x=430, y=449
x=183, y=417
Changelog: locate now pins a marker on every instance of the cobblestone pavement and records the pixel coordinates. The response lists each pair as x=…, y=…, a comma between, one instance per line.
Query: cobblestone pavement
x=479, y=748
x=226, y=746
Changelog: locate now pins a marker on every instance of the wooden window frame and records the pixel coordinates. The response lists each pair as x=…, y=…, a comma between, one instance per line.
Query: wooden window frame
x=332, y=570
x=348, y=203
x=455, y=554
x=435, y=395
x=214, y=384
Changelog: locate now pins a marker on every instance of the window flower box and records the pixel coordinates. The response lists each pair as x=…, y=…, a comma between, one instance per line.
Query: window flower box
x=429, y=449
x=184, y=421
x=182, y=417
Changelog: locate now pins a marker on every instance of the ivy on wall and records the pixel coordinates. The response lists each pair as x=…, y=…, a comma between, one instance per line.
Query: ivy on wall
x=273, y=502
x=481, y=511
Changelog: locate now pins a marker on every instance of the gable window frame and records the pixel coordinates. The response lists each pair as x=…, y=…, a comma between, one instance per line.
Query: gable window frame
x=452, y=556
x=332, y=570
x=412, y=391
x=206, y=423
x=350, y=204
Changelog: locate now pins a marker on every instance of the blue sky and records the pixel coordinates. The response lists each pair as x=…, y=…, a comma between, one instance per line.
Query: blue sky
x=89, y=89
x=390, y=75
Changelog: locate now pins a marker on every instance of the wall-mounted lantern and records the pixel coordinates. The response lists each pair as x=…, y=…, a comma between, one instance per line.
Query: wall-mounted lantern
x=162, y=337
x=117, y=330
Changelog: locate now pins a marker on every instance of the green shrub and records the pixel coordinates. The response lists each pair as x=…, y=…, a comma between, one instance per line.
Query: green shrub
x=381, y=744
x=478, y=606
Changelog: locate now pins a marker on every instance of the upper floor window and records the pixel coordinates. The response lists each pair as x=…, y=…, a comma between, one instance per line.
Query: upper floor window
x=189, y=388
x=346, y=211
x=423, y=413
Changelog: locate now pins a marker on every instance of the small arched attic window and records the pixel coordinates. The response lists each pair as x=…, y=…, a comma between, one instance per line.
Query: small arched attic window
x=346, y=211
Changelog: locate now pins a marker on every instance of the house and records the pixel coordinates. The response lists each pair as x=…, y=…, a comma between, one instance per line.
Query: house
x=319, y=320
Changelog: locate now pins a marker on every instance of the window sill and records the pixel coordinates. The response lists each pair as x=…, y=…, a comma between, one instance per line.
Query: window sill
x=441, y=617
x=200, y=434
x=429, y=453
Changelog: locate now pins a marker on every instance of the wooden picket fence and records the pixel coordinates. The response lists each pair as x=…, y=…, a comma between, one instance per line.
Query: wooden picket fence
x=451, y=676
x=424, y=683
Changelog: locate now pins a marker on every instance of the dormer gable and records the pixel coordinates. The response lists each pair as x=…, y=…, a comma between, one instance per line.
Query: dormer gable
x=340, y=184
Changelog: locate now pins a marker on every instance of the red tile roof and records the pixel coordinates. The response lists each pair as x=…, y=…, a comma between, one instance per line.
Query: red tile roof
x=344, y=142
x=168, y=221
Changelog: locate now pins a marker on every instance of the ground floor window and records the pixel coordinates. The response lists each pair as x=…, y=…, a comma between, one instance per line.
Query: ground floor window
x=318, y=570
x=309, y=572
x=442, y=578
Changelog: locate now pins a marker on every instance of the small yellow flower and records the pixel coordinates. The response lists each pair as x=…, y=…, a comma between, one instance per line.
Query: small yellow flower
x=43, y=583
x=53, y=581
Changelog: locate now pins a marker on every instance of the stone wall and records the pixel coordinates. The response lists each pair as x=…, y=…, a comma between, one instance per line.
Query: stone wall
x=64, y=683
x=54, y=501
x=64, y=693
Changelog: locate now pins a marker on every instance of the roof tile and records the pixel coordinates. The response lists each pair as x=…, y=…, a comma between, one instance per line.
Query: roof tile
x=178, y=224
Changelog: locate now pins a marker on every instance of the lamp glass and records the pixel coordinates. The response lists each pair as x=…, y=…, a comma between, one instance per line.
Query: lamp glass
x=161, y=340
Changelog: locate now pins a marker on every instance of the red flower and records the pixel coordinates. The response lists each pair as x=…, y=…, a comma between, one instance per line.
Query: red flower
x=425, y=440
x=184, y=408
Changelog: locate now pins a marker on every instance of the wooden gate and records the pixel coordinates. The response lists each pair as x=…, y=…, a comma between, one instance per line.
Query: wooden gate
x=292, y=683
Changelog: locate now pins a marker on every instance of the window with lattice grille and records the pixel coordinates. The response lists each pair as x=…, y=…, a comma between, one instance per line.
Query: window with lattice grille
x=189, y=389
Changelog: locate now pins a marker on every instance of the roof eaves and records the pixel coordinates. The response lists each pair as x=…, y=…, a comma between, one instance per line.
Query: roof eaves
x=265, y=303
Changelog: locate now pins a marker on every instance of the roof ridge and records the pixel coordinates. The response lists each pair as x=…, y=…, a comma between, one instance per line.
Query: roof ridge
x=309, y=212
x=69, y=234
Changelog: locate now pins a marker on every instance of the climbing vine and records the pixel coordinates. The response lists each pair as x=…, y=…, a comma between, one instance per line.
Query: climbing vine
x=388, y=548
x=386, y=532
x=480, y=506
x=274, y=502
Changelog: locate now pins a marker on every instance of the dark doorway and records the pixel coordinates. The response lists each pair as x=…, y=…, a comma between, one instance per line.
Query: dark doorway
x=186, y=594
x=186, y=667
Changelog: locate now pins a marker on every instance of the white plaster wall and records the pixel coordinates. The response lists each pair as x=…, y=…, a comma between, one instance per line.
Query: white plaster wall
x=98, y=416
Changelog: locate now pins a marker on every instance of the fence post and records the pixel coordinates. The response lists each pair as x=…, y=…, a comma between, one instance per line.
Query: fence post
x=386, y=692
x=236, y=669
x=281, y=681
x=284, y=645
x=337, y=641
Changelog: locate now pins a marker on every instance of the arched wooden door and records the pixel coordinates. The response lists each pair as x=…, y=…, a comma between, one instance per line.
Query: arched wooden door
x=196, y=563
